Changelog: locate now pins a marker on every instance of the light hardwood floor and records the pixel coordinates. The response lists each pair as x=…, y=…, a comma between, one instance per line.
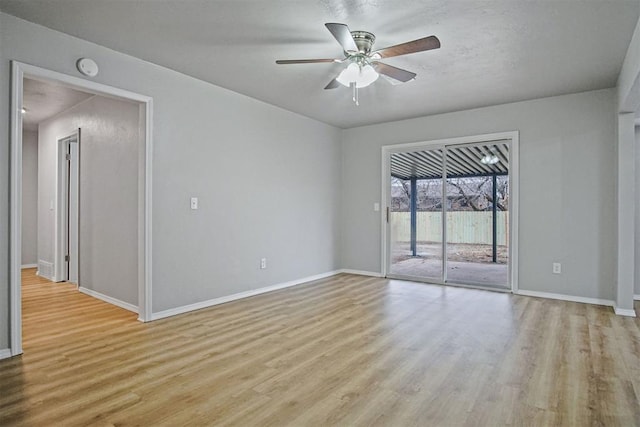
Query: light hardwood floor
x=347, y=350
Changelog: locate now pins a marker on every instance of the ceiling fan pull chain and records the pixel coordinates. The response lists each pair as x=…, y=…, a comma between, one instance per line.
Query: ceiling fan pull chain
x=355, y=93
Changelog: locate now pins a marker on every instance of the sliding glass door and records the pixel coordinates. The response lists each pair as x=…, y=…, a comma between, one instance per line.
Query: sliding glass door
x=415, y=215
x=448, y=218
x=477, y=198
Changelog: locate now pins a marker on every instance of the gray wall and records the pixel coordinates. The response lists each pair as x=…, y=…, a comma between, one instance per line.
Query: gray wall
x=108, y=192
x=29, y=197
x=46, y=203
x=268, y=179
x=567, y=186
x=628, y=87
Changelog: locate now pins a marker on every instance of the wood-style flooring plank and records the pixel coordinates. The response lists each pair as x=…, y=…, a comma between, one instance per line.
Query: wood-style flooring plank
x=346, y=350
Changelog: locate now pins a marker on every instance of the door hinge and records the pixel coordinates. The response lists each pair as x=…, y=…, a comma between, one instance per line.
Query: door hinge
x=66, y=258
x=68, y=156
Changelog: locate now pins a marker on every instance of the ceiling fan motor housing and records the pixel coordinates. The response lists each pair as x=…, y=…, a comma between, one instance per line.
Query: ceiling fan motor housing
x=364, y=40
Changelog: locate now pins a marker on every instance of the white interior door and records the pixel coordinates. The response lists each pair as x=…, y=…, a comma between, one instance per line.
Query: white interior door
x=69, y=207
x=73, y=238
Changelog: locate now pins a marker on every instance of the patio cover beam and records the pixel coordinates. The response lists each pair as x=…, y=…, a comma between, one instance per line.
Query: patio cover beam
x=473, y=175
x=414, y=215
x=494, y=217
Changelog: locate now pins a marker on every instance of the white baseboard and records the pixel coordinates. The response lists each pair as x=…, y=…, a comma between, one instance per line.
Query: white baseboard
x=5, y=353
x=216, y=301
x=23, y=266
x=636, y=297
x=108, y=299
x=584, y=300
x=360, y=272
x=562, y=297
x=625, y=312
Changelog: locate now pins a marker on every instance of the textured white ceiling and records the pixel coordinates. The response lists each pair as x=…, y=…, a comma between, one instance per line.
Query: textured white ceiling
x=44, y=100
x=492, y=51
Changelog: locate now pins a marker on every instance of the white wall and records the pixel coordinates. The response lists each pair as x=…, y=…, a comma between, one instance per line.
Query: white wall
x=268, y=179
x=625, y=200
x=628, y=95
x=637, y=215
x=29, y=197
x=108, y=192
x=567, y=186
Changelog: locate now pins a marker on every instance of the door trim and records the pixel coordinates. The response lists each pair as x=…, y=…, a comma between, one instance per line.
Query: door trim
x=19, y=71
x=514, y=156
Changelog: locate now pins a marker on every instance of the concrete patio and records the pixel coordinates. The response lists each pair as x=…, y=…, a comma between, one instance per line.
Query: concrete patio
x=489, y=274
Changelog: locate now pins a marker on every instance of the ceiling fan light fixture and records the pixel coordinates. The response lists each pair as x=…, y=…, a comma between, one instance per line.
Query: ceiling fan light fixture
x=367, y=76
x=349, y=75
x=361, y=76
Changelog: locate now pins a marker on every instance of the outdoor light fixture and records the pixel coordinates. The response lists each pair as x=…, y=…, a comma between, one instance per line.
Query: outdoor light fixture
x=490, y=159
x=357, y=75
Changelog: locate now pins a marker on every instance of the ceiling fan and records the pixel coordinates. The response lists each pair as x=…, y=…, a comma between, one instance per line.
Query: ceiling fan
x=364, y=66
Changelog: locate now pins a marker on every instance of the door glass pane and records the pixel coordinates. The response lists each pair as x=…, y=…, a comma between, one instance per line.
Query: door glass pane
x=477, y=200
x=415, y=217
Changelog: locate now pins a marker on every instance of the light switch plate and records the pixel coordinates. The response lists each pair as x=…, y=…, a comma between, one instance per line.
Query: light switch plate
x=194, y=203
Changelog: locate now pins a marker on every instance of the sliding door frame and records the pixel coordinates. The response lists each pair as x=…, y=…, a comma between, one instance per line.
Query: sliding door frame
x=387, y=150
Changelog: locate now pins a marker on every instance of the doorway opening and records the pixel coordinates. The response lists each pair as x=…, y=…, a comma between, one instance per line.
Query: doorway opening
x=450, y=211
x=61, y=205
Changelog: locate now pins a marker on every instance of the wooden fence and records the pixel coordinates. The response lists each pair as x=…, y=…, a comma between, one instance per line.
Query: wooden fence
x=474, y=227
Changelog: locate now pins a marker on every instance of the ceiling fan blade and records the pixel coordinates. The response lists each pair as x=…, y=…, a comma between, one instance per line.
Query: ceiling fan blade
x=391, y=81
x=343, y=35
x=305, y=61
x=332, y=84
x=420, y=45
x=394, y=72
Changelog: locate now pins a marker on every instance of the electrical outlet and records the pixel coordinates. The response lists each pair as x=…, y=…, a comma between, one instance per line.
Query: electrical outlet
x=557, y=268
x=263, y=263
